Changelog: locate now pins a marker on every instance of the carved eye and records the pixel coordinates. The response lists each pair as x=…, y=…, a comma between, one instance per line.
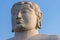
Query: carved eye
x=15, y=12
x=24, y=11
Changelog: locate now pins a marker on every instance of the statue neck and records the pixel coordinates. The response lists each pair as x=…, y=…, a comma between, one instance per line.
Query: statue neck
x=26, y=34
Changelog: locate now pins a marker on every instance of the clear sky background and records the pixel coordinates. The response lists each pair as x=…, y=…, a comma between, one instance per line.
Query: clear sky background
x=50, y=19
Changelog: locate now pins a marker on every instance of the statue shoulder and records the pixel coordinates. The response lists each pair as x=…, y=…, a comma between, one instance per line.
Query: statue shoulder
x=39, y=37
x=54, y=37
x=47, y=37
x=10, y=38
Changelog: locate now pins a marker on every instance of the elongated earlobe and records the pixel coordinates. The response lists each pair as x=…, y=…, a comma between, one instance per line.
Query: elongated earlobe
x=12, y=30
x=39, y=24
x=39, y=20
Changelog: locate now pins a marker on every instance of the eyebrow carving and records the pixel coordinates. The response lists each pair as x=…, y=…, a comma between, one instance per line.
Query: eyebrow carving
x=30, y=9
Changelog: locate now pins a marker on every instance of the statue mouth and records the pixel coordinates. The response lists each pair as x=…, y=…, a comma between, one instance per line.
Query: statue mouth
x=19, y=22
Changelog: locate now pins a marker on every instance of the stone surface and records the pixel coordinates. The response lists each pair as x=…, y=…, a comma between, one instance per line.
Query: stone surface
x=26, y=19
x=40, y=37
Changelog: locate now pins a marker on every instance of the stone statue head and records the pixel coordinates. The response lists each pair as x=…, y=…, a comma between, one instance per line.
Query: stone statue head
x=25, y=16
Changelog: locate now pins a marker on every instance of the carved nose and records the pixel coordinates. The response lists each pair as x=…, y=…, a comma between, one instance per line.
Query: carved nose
x=19, y=16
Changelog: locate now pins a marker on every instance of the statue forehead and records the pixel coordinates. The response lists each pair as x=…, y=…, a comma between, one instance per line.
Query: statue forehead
x=21, y=7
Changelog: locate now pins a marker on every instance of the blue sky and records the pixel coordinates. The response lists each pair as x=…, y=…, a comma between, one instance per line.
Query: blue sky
x=50, y=19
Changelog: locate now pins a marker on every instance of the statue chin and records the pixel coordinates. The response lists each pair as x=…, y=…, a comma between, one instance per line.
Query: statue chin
x=20, y=29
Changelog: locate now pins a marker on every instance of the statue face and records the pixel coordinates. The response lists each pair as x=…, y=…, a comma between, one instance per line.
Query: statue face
x=23, y=18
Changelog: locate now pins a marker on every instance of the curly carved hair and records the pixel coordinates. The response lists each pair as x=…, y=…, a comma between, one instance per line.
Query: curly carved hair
x=31, y=4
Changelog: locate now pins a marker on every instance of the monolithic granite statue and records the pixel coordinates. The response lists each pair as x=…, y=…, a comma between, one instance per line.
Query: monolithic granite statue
x=26, y=20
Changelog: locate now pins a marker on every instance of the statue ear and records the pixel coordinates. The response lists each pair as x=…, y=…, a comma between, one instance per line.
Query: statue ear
x=12, y=30
x=39, y=20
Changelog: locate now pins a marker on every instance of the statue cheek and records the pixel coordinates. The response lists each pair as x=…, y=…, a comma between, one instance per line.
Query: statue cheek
x=26, y=19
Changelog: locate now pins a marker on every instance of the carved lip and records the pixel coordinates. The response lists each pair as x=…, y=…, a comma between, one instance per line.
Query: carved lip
x=19, y=22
